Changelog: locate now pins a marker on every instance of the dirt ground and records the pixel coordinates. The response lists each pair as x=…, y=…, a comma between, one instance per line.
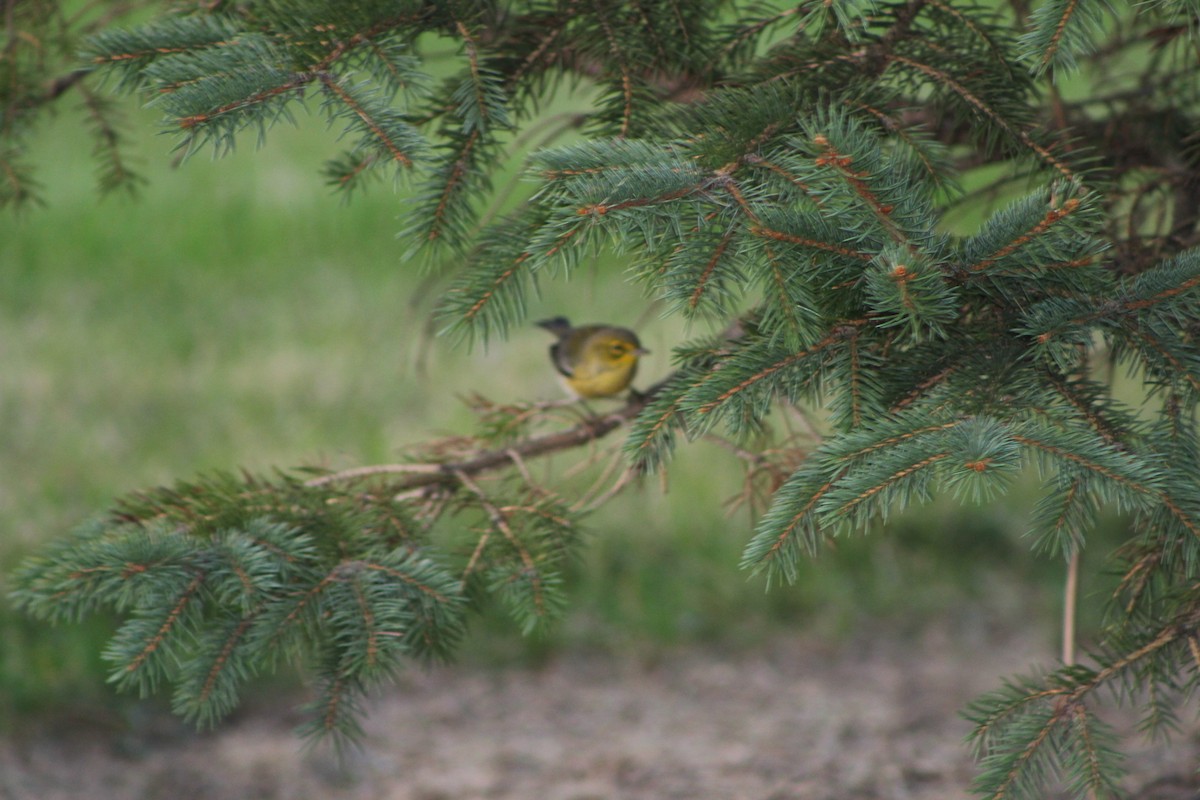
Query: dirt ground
x=876, y=717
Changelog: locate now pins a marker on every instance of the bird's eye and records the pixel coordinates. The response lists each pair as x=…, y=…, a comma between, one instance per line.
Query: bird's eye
x=618, y=349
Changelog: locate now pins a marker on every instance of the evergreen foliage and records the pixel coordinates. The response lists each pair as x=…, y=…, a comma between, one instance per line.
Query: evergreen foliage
x=792, y=173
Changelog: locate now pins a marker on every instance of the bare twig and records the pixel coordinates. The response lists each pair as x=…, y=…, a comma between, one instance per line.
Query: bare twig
x=1070, y=592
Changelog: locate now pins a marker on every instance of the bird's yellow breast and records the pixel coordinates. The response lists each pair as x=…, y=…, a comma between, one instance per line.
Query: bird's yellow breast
x=606, y=368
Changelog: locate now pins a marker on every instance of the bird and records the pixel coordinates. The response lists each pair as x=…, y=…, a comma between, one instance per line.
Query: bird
x=593, y=360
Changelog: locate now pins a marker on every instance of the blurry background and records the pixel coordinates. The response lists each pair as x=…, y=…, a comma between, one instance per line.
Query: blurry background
x=240, y=314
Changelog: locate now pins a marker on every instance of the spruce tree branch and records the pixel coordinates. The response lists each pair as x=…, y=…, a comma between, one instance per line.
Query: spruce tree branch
x=1194, y=647
x=1057, y=38
x=787, y=530
x=840, y=163
x=1052, y=217
x=391, y=572
x=897, y=128
x=842, y=331
x=1182, y=516
x=303, y=601
x=368, y=617
x=627, y=475
x=476, y=554
x=319, y=71
x=298, y=81
x=332, y=86
x=855, y=389
x=1166, y=636
x=223, y=655
x=348, y=178
x=457, y=174
x=756, y=160
x=500, y=522
x=1164, y=295
x=1084, y=462
x=921, y=388
x=618, y=56
x=1030, y=751
x=731, y=186
x=1071, y=697
x=651, y=29
x=980, y=105
x=972, y=25
x=537, y=53
x=754, y=29
x=185, y=597
x=902, y=27
x=706, y=273
x=903, y=437
x=1152, y=343
x=1091, y=413
x=498, y=519
x=890, y=480
x=108, y=146
x=337, y=691
x=496, y=286
x=600, y=209
x=781, y=236
x=473, y=62
x=1136, y=579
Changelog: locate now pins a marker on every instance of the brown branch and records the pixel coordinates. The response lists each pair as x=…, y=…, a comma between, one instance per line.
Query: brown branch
x=419, y=476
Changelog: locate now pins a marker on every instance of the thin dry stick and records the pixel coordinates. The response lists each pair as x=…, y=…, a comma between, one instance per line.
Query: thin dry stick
x=595, y=489
x=377, y=469
x=623, y=480
x=1071, y=593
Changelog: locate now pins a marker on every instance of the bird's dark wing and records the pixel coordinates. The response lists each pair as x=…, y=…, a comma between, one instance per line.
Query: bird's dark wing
x=559, y=357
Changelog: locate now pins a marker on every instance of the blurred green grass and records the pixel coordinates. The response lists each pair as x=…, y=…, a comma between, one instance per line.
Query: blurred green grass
x=238, y=314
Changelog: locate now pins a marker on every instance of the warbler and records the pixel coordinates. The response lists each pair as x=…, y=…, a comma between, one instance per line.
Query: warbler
x=594, y=360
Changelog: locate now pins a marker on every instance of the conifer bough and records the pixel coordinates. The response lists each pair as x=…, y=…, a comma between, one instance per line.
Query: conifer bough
x=943, y=223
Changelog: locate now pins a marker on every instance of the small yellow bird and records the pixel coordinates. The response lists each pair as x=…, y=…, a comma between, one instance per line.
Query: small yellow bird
x=594, y=360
